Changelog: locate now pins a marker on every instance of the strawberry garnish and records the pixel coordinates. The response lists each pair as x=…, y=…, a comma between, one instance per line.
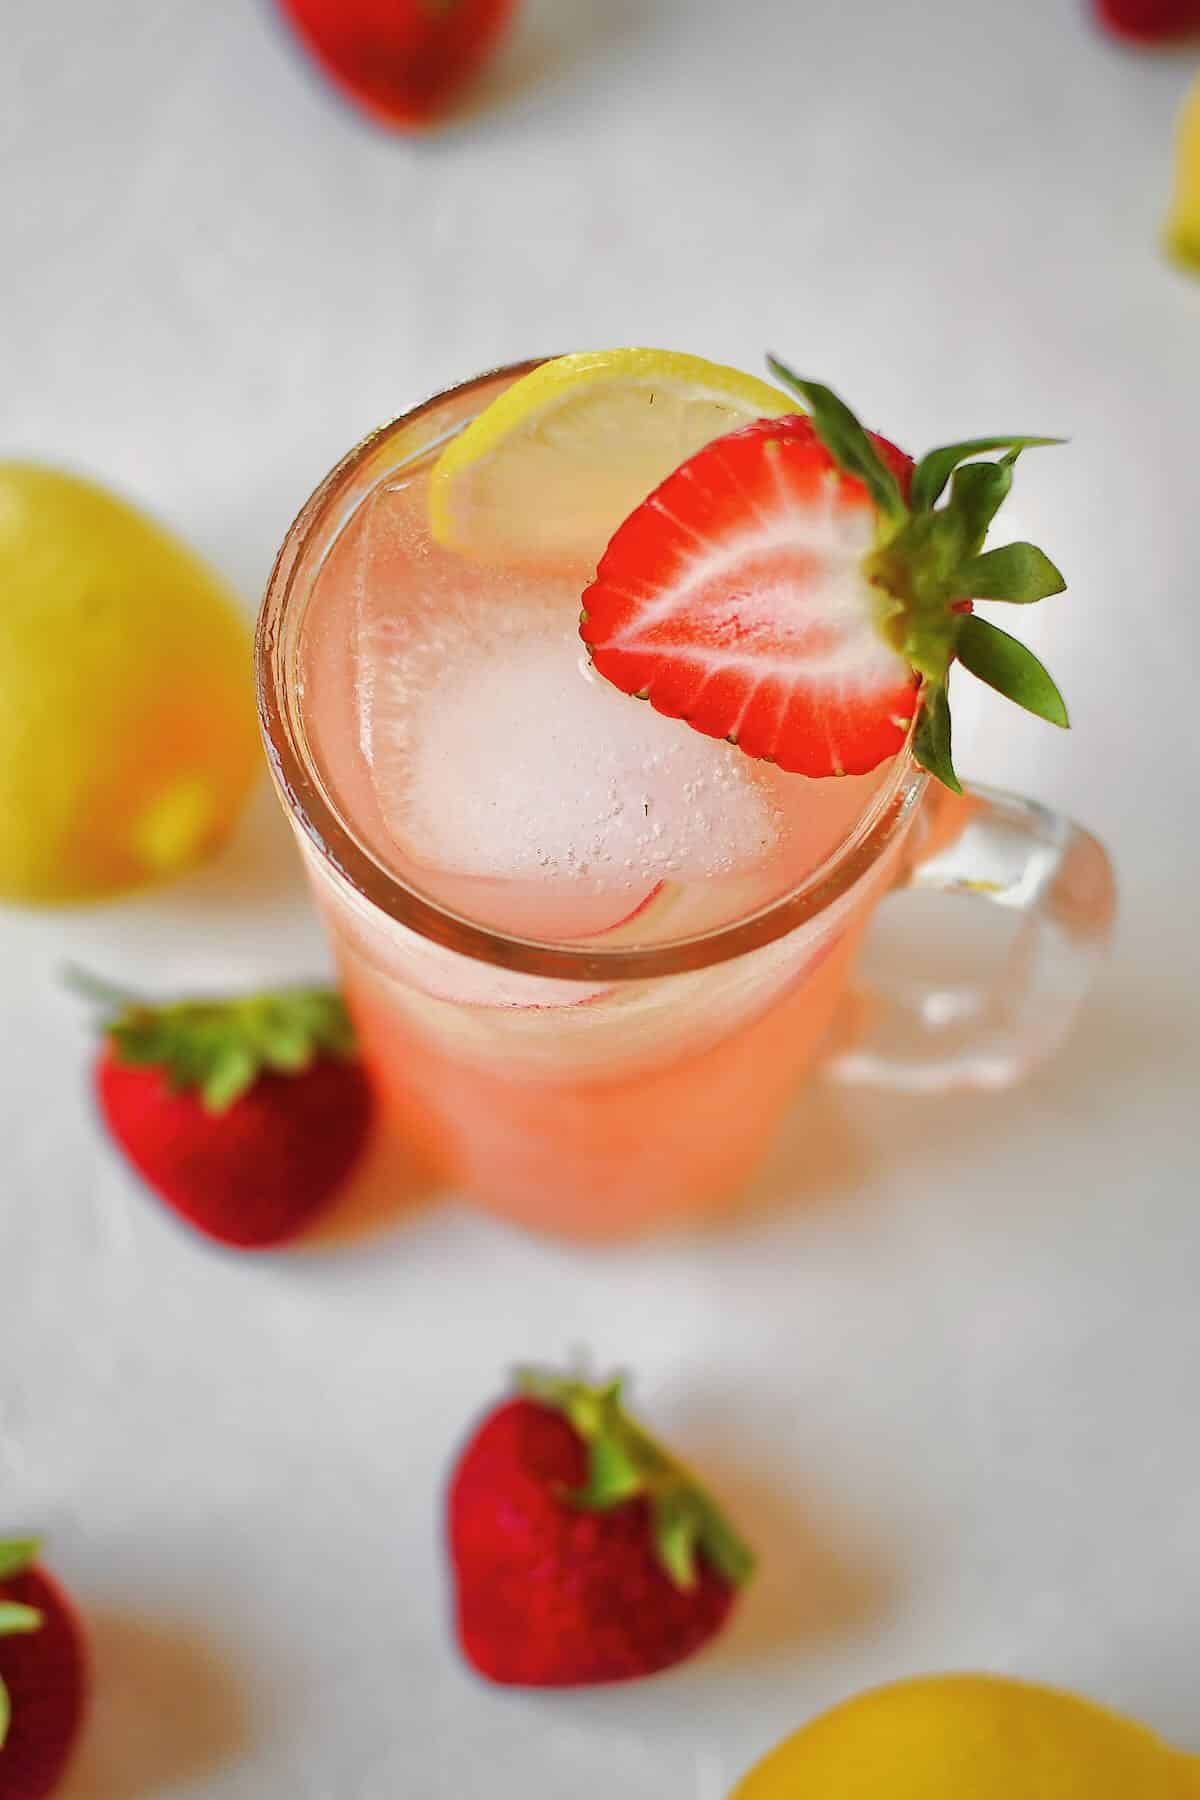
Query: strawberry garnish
x=244, y=1115
x=402, y=61
x=582, y=1551
x=796, y=588
x=43, y=1680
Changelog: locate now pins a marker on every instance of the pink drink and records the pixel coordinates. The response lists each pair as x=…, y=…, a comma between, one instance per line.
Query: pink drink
x=602, y=1060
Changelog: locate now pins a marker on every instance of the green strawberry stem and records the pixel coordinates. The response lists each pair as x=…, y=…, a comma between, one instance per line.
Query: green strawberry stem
x=624, y=1461
x=105, y=995
x=929, y=559
x=16, y=1554
x=220, y=1047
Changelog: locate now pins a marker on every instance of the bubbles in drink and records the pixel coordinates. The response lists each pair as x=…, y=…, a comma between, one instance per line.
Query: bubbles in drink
x=460, y=726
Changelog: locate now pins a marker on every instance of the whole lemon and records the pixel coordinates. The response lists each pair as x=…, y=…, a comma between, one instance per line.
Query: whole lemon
x=971, y=1737
x=1183, y=226
x=127, y=732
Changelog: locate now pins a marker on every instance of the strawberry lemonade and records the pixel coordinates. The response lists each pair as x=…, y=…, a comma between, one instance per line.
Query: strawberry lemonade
x=590, y=943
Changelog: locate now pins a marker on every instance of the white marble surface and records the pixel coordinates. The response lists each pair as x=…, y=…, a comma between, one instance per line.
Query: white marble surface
x=949, y=1377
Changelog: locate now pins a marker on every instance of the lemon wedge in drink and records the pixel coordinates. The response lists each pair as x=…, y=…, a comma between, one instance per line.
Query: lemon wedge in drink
x=553, y=465
x=971, y=1737
x=127, y=733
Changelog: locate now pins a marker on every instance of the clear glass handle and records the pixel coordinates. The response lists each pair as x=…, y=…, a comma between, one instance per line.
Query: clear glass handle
x=941, y=1015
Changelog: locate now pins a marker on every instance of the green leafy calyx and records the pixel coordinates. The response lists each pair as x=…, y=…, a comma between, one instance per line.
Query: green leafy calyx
x=624, y=1461
x=929, y=561
x=220, y=1047
x=16, y=1554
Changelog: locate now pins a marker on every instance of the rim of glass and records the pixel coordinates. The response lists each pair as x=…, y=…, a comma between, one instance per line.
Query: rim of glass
x=311, y=807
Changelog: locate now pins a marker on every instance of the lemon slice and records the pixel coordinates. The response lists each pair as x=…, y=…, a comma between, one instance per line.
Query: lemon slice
x=554, y=464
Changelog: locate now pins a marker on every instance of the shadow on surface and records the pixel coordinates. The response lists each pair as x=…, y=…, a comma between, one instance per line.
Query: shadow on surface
x=549, y=42
x=1124, y=1043
x=817, y=1156
x=253, y=882
x=837, y=1139
x=388, y=1188
x=166, y=1709
x=812, y=1586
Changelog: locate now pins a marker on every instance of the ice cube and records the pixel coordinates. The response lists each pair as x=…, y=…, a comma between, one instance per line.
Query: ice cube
x=517, y=786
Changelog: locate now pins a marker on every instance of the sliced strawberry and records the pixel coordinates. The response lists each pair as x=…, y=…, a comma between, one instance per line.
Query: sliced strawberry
x=796, y=588
x=735, y=598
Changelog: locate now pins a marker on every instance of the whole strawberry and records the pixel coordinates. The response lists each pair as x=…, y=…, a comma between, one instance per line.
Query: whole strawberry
x=1150, y=21
x=244, y=1115
x=581, y=1551
x=403, y=61
x=43, y=1675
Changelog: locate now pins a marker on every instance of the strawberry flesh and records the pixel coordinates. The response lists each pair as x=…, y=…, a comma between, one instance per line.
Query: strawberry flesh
x=402, y=61
x=254, y=1174
x=734, y=598
x=549, y=1594
x=45, y=1672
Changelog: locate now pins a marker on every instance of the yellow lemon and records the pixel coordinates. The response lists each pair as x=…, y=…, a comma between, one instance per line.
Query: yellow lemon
x=971, y=1737
x=127, y=731
x=556, y=462
x=1183, y=227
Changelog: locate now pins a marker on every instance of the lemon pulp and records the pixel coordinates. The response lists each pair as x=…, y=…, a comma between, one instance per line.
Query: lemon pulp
x=570, y=449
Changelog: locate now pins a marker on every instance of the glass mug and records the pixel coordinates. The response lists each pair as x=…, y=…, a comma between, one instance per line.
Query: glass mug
x=598, y=1092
